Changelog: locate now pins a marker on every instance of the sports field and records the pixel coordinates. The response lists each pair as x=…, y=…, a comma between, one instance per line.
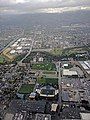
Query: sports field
x=26, y=89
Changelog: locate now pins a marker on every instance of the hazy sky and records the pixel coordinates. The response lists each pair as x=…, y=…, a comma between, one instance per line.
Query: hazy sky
x=48, y=6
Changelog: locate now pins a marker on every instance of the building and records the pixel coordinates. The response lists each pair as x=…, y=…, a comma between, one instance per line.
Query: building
x=54, y=107
x=85, y=66
x=40, y=59
x=70, y=112
x=70, y=73
x=47, y=92
x=85, y=116
x=9, y=116
x=25, y=105
x=43, y=117
x=32, y=95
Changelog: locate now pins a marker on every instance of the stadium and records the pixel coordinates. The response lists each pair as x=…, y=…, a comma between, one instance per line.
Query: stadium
x=47, y=92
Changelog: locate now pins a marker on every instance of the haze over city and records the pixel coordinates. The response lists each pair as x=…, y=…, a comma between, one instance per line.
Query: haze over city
x=45, y=6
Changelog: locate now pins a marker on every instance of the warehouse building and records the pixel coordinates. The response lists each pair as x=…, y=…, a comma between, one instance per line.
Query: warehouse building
x=70, y=73
x=85, y=66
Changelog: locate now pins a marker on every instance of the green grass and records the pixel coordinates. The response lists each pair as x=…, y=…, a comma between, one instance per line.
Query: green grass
x=56, y=51
x=53, y=81
x=19, y=57
x=44, y=66
x=69, y=51
x=1, y=60
x=26, y=89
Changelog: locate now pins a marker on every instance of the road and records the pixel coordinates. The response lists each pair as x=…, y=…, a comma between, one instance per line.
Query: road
x=30, y=50
x=59, y=83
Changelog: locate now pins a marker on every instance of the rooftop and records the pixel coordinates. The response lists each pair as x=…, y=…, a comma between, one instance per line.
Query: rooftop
x=85, y=116
x=67, y=72
x=26, y=105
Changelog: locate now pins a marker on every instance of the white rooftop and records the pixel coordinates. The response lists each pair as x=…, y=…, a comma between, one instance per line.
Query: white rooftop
x=9, y=116
x=20, y=47
x=12, y=51
x=67, y=72
x=65, y=65
x=54, y=107
x=85, y=64
x=85, y=116
x=88, y=71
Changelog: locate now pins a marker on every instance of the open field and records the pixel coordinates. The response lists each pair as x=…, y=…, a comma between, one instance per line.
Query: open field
x=53, y=81
x=26, y=89
x=56, y=51
x=69, y=51
x=44, y=66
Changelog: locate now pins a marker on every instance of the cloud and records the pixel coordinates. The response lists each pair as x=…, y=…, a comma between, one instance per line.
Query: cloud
x=24, y=6
x=62, y=9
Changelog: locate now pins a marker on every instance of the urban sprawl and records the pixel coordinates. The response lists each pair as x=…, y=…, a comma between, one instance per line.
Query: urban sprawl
x=45, y=73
